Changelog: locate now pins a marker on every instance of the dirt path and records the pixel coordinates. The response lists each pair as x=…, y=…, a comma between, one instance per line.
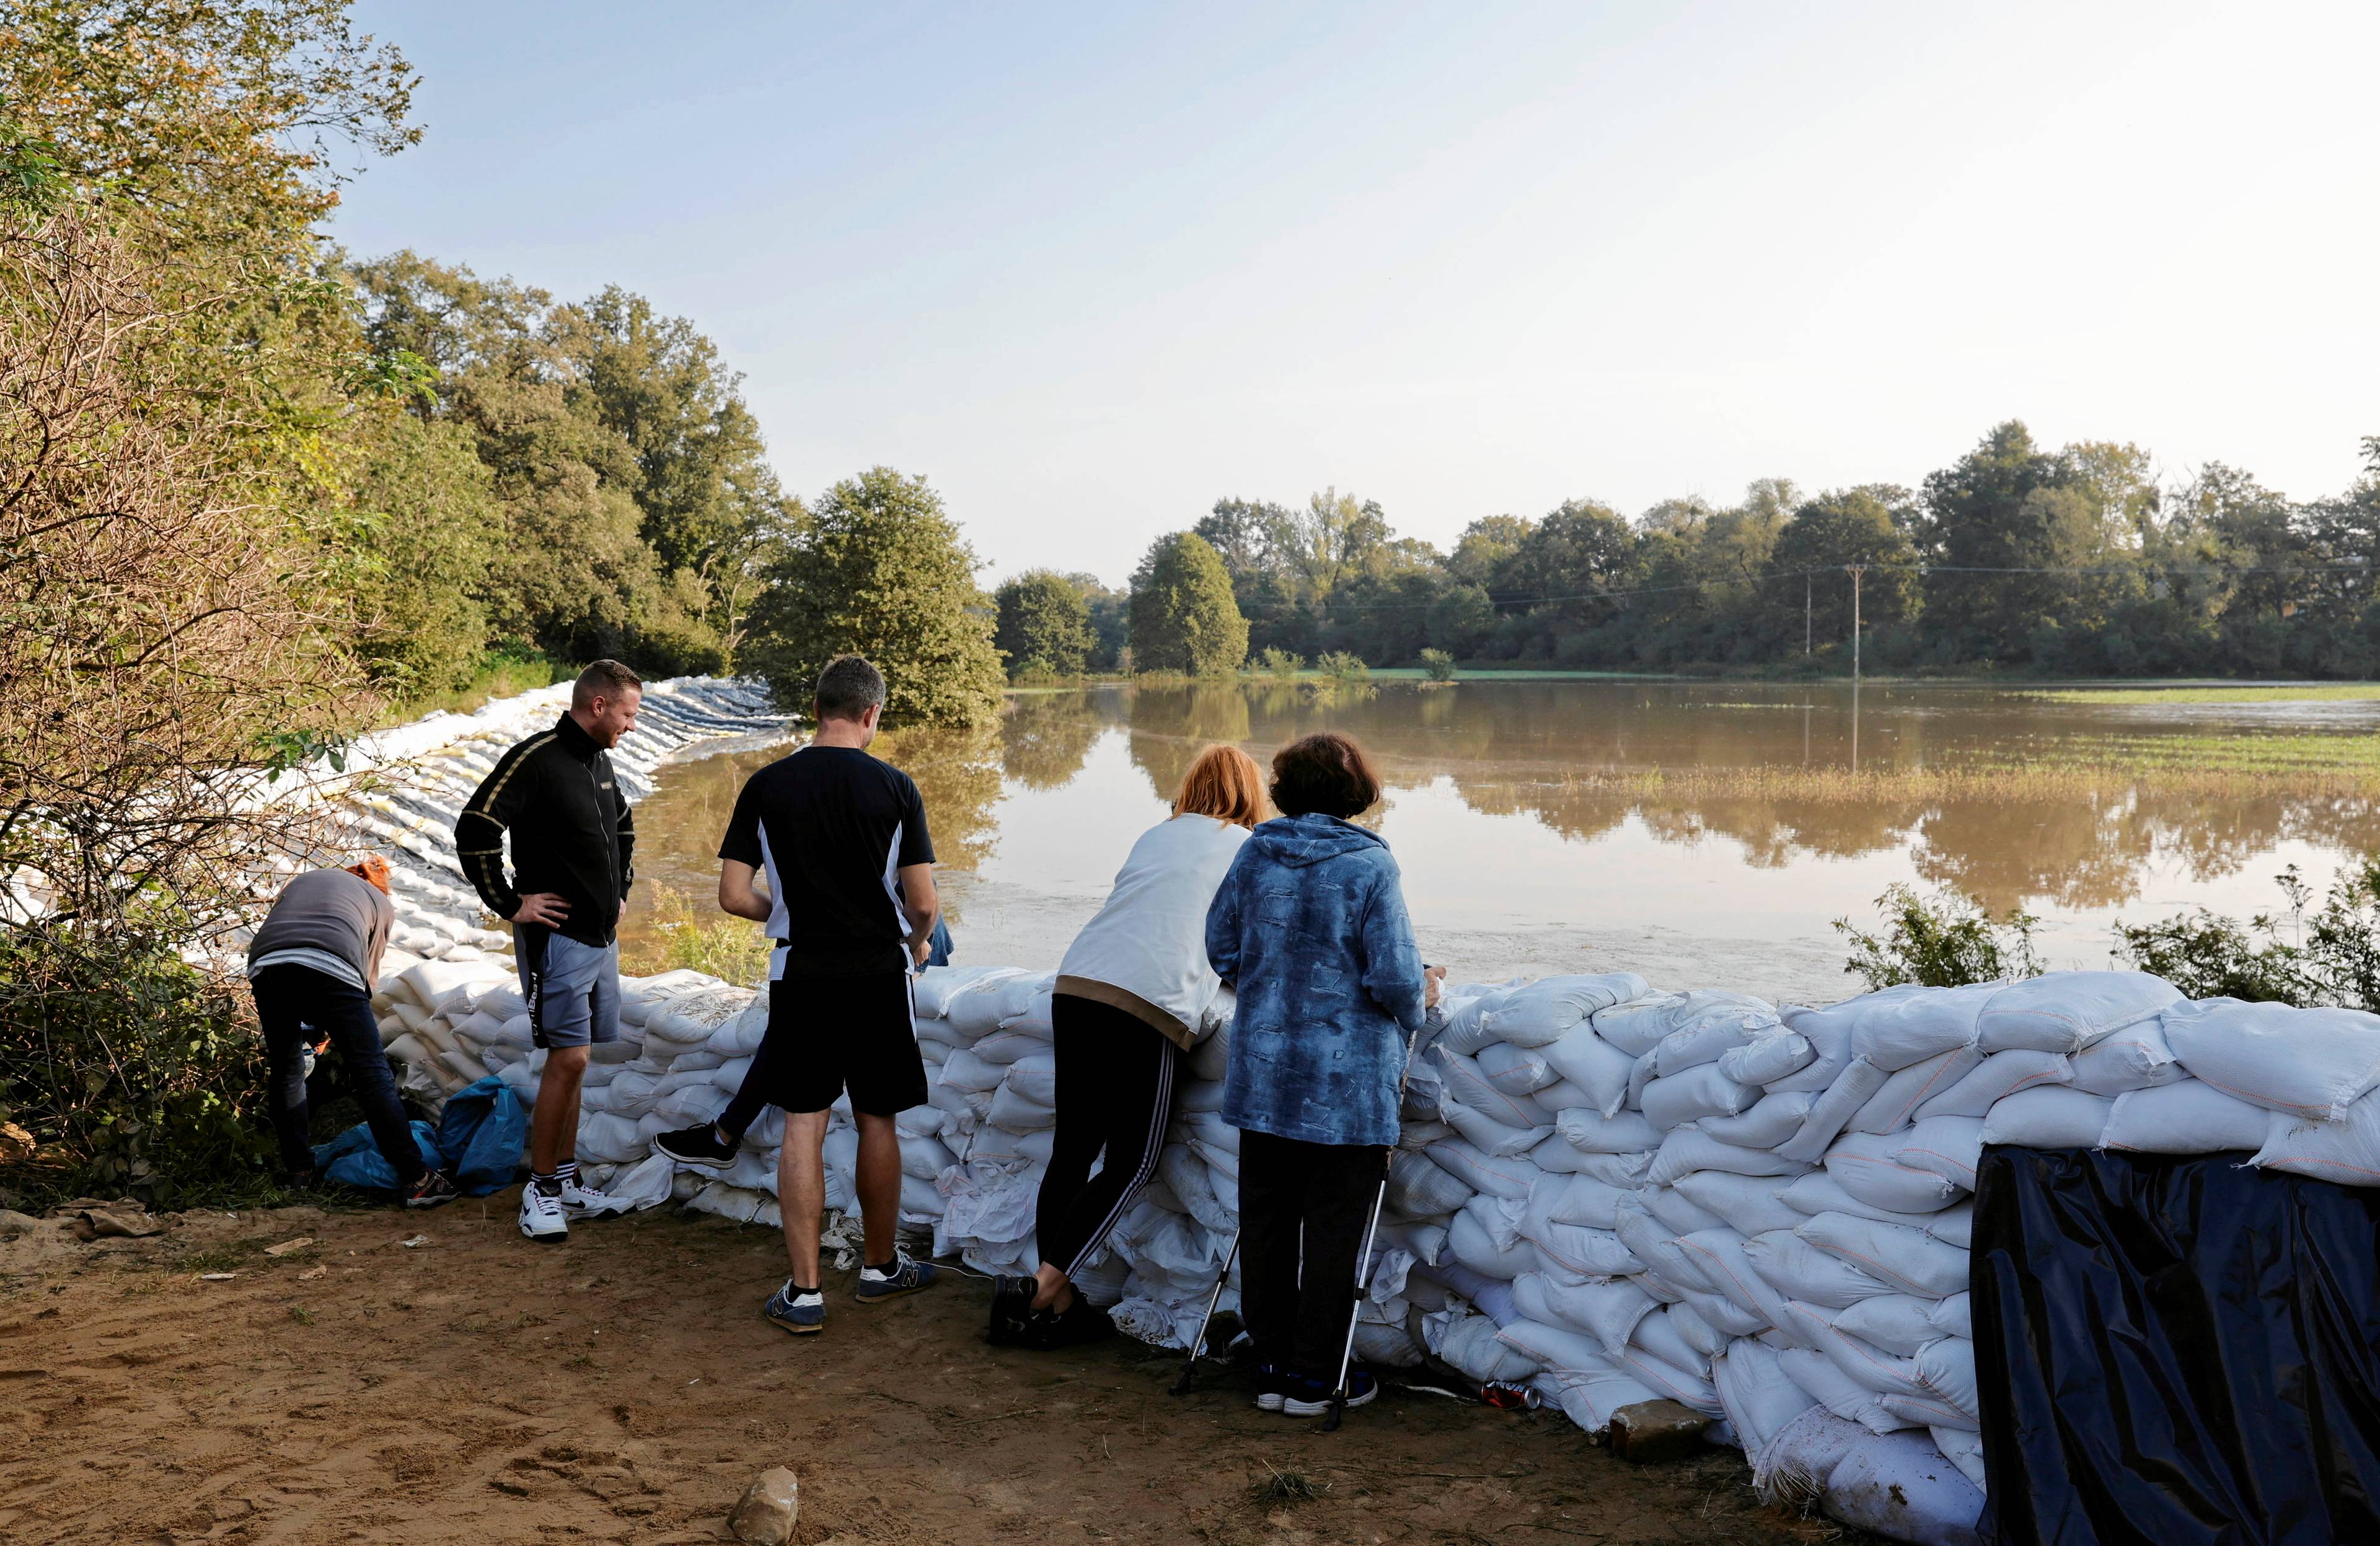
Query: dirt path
x=476, y=1388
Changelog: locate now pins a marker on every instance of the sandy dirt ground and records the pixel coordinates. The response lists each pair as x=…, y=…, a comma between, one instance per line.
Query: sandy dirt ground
x=477, y=1388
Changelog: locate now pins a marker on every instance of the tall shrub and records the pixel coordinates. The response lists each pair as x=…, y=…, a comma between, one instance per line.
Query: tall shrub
x=878, y=568
x=1184, y=617
x=1045, y=623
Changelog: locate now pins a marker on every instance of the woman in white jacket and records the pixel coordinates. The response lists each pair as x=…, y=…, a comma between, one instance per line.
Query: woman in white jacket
x=1132, y=994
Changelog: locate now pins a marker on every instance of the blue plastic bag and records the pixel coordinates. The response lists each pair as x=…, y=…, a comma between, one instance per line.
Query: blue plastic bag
x=482, y=1133
x=478, y=1140
x=353, y=1159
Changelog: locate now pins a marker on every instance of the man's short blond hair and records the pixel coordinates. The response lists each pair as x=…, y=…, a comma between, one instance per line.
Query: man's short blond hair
x=604, y=678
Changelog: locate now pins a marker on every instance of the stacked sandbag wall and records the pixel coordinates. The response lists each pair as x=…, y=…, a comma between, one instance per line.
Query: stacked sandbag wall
x=1603, y=1191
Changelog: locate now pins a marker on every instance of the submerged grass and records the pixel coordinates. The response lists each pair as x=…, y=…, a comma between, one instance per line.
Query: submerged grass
x=699, y=939
x=2214, y=770
x=2327, y=692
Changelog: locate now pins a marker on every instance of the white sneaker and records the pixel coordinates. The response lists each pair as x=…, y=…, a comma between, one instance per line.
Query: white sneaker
x=542, y=1216
x=585, y=1201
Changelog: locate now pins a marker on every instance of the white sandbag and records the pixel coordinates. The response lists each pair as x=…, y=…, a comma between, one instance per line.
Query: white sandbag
x=1963, y=1449
x=2136, y=1058
x=2347, y=1151
x=1995, y=1080
x=645, y=1184
x=1029, y=1149
x=2053, y=1116
x=1384, y=1345
x=1666, y=1262
x=1898, y=1027
x=1573, y=1199
x=1601, y=1133
x=1636, y=1026
x=1720, y=1258
x=1676, y=1213
x=976, y=1008
x=1865, y=1165
x=1894, y=1106
x=1467, y=1005
x=1947, y=1369
x=1658, y=1335
x=1624, y=1171
x=609, y=1140
x=1948, y=1146
x=1474, y=1344
x=1543, y=1011
x=2311, y=1063
x=1909, y=1259
x=1694, y=1330
x=964, y=1070
x=1487, y=1134
x=1769, y=1122
x=1774, y=1053
x=1585, y=1060
x=925, y=1158
x=1867, y=1365
x=1954, y=1226
x=1723, y=1314
x=1482, y=1236
x=1838, y=1391
x=1798, y=1270
x=1928, y=1412
x=1828, y=1031
x=1034, y=1077
x=1513, y=1070
x=1418, y=1188
x=1686, y=1150
x=1606, y=1311
x=1760, y=1398
x=1009, y=1043
x=930, y=992
x=1898, y=1324
x=1829, y=1113
x=1497, y=1175
x=1707, y=1039
x=1901, y=1487
x=1953, y=1317
x=1659, y=1375
x=2189, y=1117
x=1576, y=1248
x=2067, y=1012
x=1700, y=1091
x=1748, y=1204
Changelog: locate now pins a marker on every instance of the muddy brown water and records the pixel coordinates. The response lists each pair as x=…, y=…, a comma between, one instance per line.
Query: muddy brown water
x=1520, y=856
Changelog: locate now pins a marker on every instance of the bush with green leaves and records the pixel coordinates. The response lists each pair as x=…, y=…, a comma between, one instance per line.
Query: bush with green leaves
x=1340, y=669
x=1436, y=665
x=878, y=568
x=1183, y=618
x=1279, y=664
x=1947, y=942
x=1045, y=625
x=2329, y=958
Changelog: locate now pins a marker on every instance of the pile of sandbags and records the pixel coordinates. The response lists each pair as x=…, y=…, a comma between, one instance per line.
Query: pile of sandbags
x=1603, y=1191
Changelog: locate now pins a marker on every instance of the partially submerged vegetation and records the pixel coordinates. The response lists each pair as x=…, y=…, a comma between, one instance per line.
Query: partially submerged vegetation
x=2302, y=691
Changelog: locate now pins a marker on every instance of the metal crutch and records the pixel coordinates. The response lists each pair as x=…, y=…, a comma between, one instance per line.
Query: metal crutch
x=1199, y=1343
x=1371, y=1232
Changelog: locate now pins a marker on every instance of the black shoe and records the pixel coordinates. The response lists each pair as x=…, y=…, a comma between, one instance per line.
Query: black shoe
x=1012, y=1310
x=1311, y=1397
x=435, y=1187
x=1079, y=1323
x=700, y=1147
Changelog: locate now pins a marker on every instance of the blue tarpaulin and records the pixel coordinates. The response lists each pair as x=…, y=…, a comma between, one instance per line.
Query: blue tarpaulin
x=478, y=1140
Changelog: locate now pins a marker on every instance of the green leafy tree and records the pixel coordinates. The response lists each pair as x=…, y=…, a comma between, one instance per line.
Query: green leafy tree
x=1809, y=583
x=1184, y=616
x=1045, y=623
x=415, y=524
x=879, y=569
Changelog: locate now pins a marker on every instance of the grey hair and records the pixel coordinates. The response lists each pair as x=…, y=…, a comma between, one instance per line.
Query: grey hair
x=849, y=687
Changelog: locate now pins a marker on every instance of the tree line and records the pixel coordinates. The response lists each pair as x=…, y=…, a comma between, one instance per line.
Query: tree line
x=2073, y=561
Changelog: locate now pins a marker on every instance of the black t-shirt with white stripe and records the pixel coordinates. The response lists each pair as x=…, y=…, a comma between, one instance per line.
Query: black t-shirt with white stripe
x=831, y=828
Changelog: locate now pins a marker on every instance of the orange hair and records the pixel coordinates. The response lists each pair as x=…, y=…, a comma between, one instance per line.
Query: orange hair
x=372, y=867
x=1224, y=783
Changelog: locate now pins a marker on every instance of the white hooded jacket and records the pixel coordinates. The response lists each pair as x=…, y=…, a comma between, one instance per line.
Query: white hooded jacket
x=1144, y=952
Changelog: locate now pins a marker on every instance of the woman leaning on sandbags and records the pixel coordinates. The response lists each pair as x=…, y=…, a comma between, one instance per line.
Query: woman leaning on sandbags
x=1133, y=992
x=1309, y=928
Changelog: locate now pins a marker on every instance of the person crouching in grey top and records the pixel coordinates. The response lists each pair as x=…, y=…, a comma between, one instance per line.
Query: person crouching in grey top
x=557, y=796
x=313, y=966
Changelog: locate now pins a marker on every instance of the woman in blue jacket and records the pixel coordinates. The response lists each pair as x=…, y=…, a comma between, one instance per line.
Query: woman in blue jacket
x=1309, y=928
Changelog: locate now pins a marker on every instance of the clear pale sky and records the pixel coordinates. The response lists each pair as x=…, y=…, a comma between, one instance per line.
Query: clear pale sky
x=1089, y=268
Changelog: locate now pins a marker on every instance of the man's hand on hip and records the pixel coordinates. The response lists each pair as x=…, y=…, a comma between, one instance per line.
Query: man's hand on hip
x=541, y=907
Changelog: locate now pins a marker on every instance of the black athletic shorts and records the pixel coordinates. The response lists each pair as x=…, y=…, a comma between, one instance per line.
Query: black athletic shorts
x=829, y=1034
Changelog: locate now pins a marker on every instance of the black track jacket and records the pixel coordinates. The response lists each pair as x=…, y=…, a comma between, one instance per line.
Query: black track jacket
x=572, y=834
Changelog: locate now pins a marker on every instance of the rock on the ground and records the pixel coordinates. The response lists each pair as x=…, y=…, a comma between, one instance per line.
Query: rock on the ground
x=1651, y=1431
x=766, y=1515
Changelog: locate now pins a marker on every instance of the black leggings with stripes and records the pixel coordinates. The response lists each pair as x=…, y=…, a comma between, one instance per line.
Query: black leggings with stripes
x=1115, y=1094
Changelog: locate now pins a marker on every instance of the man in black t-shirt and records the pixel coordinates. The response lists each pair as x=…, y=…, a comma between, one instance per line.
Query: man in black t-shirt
x=841, y=841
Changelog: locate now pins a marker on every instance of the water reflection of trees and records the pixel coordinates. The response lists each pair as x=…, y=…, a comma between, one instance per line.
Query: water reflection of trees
x=958, y=773
x=1170, y=725
x=1045, y=737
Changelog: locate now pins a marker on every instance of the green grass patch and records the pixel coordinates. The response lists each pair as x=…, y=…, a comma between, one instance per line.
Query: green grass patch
x=2325, y=691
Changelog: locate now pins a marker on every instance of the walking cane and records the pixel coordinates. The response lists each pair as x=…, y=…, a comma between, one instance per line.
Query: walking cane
x=1198, y=1343
x=1371, y=1232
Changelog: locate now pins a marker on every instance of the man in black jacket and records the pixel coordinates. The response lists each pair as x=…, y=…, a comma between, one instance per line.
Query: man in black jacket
x=572, y=840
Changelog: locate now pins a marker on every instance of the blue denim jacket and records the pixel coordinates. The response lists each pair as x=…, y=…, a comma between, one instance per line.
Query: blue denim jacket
x=1309, y=928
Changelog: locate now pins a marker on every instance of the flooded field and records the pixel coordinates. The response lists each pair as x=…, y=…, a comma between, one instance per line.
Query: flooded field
x=1701, y=833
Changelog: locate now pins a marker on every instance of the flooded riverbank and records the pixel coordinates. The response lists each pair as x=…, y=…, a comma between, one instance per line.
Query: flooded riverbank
x=1697, y=832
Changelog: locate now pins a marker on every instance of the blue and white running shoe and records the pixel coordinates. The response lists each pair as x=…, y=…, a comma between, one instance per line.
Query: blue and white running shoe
x=906, y=1277
x=800, y=1314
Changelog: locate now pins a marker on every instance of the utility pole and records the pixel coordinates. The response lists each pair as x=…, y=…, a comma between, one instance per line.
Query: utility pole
x=1806, y=583
x=1857, y=569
